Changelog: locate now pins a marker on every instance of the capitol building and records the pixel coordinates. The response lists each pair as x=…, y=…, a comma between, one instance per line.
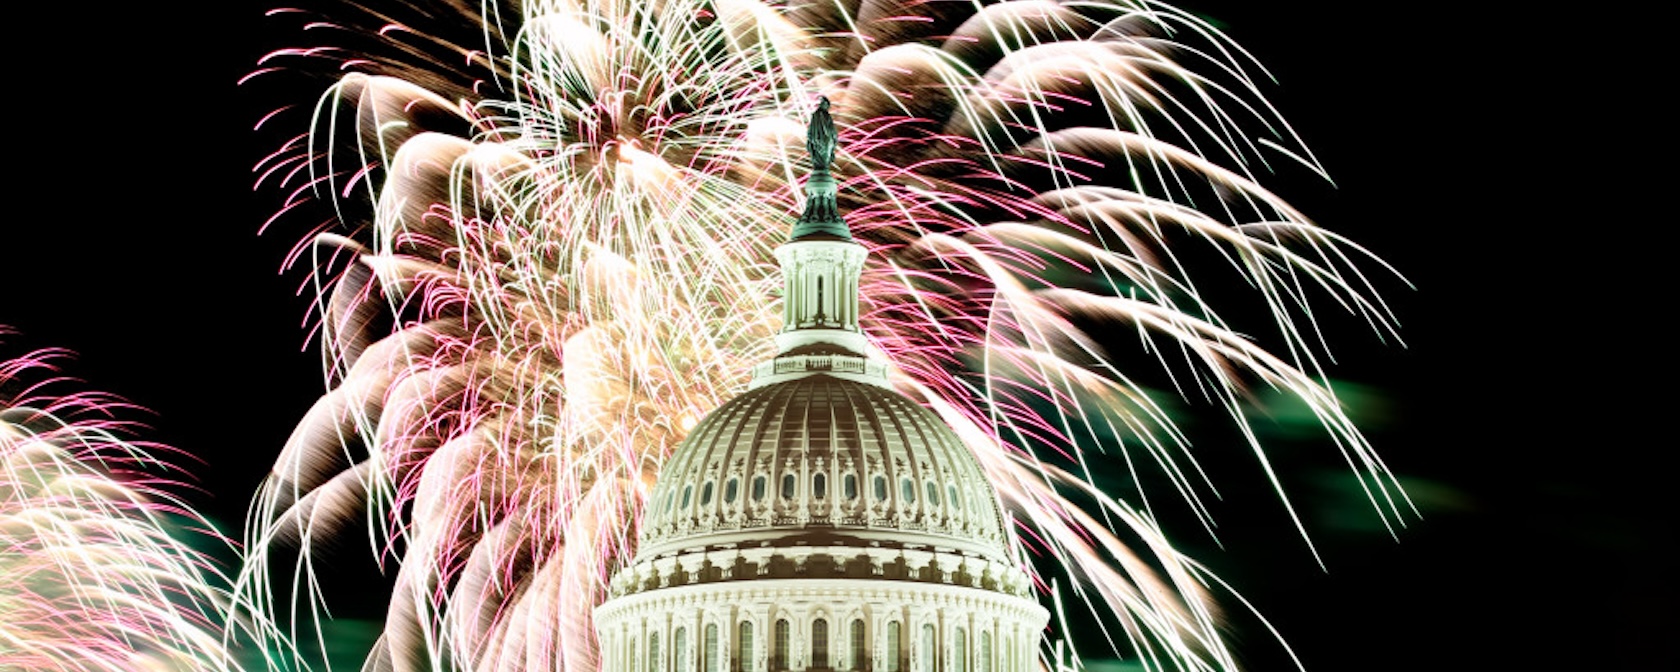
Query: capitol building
x=821, y=521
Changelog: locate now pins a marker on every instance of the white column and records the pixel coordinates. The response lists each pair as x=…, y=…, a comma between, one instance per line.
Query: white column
x=944, y=646
x=761, y=641
x=799, y=648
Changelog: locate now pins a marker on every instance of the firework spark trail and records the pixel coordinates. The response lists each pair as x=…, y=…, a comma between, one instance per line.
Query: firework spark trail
x=91, y=578
x=568, y=253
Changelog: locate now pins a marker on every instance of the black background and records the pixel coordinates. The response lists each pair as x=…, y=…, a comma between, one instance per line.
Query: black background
x=1483, y=154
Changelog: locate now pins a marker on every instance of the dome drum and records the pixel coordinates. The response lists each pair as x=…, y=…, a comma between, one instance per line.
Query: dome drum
x=819, y=625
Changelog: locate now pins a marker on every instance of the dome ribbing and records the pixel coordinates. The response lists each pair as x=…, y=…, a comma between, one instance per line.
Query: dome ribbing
x=819, y=460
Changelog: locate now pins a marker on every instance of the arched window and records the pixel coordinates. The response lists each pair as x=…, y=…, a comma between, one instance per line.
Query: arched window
x=819, y=486
x=819, y=643
x=758, y=488
x=706, y=494
x=927, y=648
x=779, y=657
x=688, y=492
x=906, y=490
x=983, y=661
x=679, y=651
x=848, y=487
x=933, y=494
x=743, y=648
x=860, y=652
x=789, y=485
x=711, y=650
x=959, y=652
x=730, y=490
x=880, y=488
x=951, y=492
x=895, y=648
x=653, y=653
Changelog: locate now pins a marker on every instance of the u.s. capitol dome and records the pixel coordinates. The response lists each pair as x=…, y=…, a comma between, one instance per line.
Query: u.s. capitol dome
x=821, y=521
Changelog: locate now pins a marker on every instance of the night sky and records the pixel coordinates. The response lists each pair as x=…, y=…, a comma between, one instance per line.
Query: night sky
x=1521, y=412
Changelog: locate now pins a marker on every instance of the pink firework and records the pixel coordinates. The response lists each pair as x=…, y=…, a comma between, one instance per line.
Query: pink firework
x=550, y=255
x=95, y=570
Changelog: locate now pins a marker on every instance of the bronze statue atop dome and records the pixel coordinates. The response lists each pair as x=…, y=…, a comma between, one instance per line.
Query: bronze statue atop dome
x=819, y=137
x=822, y=216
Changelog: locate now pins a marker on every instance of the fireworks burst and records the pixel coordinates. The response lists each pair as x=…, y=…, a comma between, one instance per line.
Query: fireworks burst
x=91, y=579
x=567, y=261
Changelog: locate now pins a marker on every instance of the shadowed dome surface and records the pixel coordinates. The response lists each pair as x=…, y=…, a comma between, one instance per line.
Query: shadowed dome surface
x=818, y=461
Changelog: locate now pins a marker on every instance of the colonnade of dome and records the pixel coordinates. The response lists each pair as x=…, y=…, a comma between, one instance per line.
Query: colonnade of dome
x=820, y=626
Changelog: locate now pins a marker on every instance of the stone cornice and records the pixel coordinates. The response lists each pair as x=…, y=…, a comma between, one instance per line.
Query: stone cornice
x=870, y=564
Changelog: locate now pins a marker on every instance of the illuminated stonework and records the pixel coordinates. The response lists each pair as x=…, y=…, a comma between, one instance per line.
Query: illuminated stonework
x=821, y=521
